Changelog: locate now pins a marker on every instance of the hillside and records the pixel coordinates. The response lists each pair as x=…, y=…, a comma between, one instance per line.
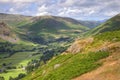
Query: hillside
x=50, y=28
x=91, y=24
x=14, y=20
x=110, y=25
x=95, y=57
x=25, y=40
x=6, y=33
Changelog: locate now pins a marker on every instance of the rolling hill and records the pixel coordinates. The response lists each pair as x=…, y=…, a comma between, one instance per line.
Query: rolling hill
x=49, y=28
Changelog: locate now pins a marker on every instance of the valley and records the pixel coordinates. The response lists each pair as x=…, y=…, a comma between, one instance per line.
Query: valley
x=33, y=39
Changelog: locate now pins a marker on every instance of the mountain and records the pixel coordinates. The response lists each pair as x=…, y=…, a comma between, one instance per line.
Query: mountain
x=112, y=24
x=91, y=24
x=43, y=29
x=95, y=57
x=50, y=28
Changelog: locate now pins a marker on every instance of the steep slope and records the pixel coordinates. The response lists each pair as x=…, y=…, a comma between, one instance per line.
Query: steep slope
x=110, y=70
x=7, y=33
x=110, y=25
x=94, y=56
x=98, y=55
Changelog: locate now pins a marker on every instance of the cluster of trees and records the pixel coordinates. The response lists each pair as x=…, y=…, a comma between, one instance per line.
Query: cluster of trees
x=47, y=55
x=20, y=76
x=10, y=49
x=32, y=65
x=2, y=78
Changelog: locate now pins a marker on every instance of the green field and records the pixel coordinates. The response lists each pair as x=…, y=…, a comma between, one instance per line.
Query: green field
x=13, y=73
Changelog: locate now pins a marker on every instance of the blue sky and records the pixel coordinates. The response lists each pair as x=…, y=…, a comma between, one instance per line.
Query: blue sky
x=78, y=9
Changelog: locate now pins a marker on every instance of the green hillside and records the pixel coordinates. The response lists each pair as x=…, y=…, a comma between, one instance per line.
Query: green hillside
x=94, y=53
x=49, y=28
x=24, y=40
x=110, y=25
x=69, y=66
x=14, y=20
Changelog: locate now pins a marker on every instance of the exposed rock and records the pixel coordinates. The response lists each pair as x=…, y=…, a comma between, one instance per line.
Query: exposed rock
x=56, y=66
x=79, y=45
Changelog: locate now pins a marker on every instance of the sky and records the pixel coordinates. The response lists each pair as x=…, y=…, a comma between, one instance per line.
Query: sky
x=77, y=9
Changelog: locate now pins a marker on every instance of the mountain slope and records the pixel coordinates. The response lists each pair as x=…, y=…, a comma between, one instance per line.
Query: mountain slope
x=68, y=66
x=7, y=33
x=110, y=25
x=14, y=20
x=96, y=55
x=52, y=27
x=91, y=24
x=51, y=34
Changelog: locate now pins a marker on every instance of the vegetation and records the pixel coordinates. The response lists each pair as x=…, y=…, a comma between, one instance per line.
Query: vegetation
x=20, y=76
x=69, y=66
x=41, y=40
x=109, y=36
x=112, y=24
x=2, y=78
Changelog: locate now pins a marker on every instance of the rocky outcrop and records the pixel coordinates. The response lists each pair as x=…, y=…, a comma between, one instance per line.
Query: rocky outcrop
x=6, y=33
x=79, y=45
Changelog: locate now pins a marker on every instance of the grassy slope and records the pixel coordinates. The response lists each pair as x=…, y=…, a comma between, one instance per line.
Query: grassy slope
x=23, y=57
x=66, y=67
x=14, y=20
x=70, y=66
x=53, y=27
x=110, y=25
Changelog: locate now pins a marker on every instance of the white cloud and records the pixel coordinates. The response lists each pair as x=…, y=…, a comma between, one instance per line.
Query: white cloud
x=91, y=12
x=11, y=10
x=69, y=11
x=42, y=13
x=112, y=13
x=69, y=2
x=17, y=1
x=42, y=10
x=4, y=1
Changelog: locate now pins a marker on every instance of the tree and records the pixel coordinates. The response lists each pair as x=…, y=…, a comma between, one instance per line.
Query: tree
x=11, y=78
x=2, y=78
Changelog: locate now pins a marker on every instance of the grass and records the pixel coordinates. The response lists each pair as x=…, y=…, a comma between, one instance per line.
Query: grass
x=20, y=57
x=69, y=66
x=108, y=36
x=13, y=73
x=112, y=24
